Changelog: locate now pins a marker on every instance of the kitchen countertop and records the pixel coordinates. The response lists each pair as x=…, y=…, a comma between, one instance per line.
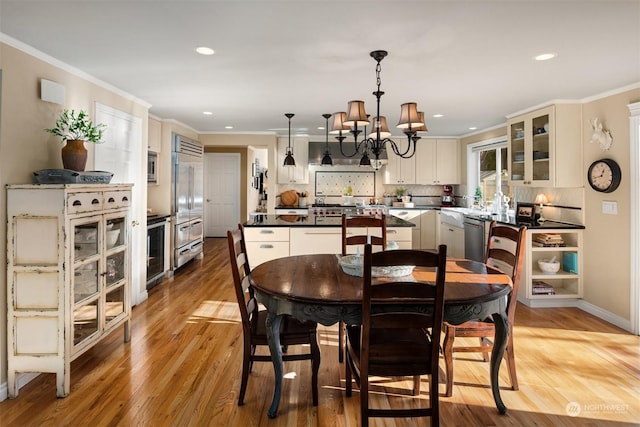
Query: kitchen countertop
x=154, y=218
x=510, y=220
x=311, y=221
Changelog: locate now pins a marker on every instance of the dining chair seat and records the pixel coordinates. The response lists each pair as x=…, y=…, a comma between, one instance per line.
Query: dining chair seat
x=395, y=351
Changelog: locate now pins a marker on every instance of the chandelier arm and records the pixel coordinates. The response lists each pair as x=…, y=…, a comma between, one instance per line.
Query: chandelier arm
x=405, y=155
x=356, y=147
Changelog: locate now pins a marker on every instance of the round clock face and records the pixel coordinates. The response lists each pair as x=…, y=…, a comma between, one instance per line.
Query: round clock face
x=604, y=175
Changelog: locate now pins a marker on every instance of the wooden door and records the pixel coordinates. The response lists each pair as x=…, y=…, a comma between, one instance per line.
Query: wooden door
x=222, y=193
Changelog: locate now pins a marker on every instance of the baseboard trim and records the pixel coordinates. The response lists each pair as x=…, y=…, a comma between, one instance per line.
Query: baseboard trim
x=606, y=315
x=22, y=379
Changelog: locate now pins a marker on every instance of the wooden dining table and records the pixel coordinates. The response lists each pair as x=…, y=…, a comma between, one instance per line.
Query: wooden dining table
x=314, y=287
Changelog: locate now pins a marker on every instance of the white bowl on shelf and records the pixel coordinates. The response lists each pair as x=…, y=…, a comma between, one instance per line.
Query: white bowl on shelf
x=112, y=238
x=549, y=266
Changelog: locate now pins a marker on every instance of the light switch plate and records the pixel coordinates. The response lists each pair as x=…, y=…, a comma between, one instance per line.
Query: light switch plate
x=609, y=207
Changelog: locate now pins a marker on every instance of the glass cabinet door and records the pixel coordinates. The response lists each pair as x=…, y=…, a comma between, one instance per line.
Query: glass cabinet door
x=115, y=234
x=115, y=268
x=114, y=303
x=540, y=148
x=85, y=321
x=517, y=160
x=85, y=240
x=85, y=281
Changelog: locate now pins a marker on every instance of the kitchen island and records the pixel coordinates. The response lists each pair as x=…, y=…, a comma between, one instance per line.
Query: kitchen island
x=274, y=236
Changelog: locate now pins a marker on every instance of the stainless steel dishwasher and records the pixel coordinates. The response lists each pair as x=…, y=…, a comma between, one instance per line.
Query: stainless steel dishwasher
x=474, y=243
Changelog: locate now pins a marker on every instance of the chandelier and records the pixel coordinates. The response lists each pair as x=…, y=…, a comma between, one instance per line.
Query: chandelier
x=411, y=122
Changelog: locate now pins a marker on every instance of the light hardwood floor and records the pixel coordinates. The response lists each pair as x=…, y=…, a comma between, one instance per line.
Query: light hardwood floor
x=182, y=368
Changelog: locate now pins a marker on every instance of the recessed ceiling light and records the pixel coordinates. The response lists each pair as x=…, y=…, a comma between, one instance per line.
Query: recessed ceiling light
x=320, y=127
x=438, y=115
x=473, y=128
x=544, y=56
x=228, y=127
x=202, y=50
x=207, y=113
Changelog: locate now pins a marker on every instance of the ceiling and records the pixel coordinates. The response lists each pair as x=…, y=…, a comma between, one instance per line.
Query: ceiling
x=470, y=61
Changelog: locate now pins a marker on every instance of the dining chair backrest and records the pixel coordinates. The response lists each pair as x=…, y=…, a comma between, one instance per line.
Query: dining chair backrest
x=368, y=223
x=396, y=291
x=505, y=251
x=240, y=271
x=394, y=341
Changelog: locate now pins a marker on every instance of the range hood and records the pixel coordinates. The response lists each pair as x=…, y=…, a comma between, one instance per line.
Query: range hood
x=316, y=152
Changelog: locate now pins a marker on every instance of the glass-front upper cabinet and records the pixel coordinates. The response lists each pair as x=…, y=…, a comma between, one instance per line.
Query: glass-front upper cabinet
x=531, y=148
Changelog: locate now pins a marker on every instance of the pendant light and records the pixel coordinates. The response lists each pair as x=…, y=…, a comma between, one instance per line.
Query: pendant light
x=326, y=159
x=289, y=160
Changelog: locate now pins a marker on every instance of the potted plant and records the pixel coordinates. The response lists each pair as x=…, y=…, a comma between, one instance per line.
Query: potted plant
x=348, y=195
x=74, y=129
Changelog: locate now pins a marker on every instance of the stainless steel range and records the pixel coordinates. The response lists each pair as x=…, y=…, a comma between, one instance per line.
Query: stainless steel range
x=338, y=210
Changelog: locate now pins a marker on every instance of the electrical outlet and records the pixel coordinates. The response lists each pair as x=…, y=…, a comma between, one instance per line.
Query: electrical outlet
x=609, y=207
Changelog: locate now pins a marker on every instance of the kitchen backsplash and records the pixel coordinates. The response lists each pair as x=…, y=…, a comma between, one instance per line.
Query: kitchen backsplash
x=336, y=183
x=364, y=183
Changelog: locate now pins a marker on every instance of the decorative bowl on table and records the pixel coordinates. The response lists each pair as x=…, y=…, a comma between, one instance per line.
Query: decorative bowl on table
x=549, y=266
x=352, y=265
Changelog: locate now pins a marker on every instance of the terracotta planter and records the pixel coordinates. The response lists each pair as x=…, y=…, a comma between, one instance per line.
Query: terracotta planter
x=74, y=155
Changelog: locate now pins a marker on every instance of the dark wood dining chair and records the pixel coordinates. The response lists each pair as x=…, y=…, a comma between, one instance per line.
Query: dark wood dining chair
x=379, y=222
x=505, y=251
x=393, y=342
x=292, y=331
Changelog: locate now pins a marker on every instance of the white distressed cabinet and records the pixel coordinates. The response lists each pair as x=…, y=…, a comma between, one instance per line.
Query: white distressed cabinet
x=68, y=274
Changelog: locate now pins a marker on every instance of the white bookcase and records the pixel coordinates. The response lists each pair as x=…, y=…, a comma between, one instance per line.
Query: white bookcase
x=68, y=274
x=566, y=284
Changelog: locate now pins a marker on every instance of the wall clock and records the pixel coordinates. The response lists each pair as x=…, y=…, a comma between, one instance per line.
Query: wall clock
x=604, y=175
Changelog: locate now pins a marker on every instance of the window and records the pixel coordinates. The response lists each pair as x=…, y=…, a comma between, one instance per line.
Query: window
x=487, y=170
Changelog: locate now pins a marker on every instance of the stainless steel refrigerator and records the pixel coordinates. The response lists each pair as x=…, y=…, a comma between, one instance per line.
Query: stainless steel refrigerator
x=187, y=199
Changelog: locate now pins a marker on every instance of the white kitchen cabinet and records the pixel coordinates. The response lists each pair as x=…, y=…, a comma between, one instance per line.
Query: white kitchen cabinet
x=298, y=174
x=428, y=229
x=413, y=216
x=401, y=235
x=566, y=284
x=154, y=141
x=545, y=147
x=68, y=274
x=453, y=237
x=328, y=240
x=398, y=170
x=266, y=243
x=315, y=240
x=437, y=162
